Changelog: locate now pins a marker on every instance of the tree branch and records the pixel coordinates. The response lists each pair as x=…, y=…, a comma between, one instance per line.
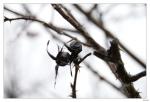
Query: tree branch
x=73, y=86
x=116, y=68
x=108, y=33
x=137, y=76
x=14, y=12
x=51, y=26
x=119, y=71
x=67, y=16
x=84, y=58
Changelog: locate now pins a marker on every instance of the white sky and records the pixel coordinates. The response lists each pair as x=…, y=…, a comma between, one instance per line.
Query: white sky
x=29, y=58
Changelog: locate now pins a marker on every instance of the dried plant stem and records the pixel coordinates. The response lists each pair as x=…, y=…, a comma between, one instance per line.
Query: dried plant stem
x=73, y=86
x=137, y=76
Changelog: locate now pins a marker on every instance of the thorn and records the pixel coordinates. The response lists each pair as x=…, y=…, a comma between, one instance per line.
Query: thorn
x=48, y=42
x=70, y=40
x=6, y=19
x=71, y=85
x=56, y=73
x=70, y=70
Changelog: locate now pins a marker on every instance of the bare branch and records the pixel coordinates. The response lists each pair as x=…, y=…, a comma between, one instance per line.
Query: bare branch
x=93, y=8
x=73, y=86
x=66, y=15
x=27, y=10
x=138, y=76
x=84, y=57
x=111, y=57
x=14, y=12
x=128, y=88
x=109, y=34
x=119, y=70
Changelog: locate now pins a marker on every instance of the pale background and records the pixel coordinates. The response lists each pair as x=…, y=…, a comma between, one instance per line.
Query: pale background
x=27, y=64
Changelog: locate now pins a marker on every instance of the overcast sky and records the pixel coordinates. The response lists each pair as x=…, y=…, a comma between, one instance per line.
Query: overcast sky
x=27, y=64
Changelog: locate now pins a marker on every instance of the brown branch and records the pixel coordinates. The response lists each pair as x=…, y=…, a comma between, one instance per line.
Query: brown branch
x=109, y=34
x=67, y=16
x=39, y=21
x=94, y=7
x=51, y=26
x=27, y=10
x=14, y=12
x=130, y=78
x=81, y=60
x=69, y=30
x=128, y=88
x=137, y=76
x=119, y=71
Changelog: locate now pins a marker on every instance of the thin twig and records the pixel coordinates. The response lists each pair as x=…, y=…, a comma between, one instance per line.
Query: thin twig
x=27, y=10
x=119, y=70
x=94, y=7
x=14, y=12
x=69, y=30
x=81, y=60
x=138, y=76
x=73, y=86
x=51, y=26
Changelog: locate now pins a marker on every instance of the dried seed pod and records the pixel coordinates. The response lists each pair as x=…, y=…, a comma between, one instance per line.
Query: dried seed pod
x=75, y=47
x=62, y=59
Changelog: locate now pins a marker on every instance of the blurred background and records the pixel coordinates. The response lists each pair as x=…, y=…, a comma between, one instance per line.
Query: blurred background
x=30, y=73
